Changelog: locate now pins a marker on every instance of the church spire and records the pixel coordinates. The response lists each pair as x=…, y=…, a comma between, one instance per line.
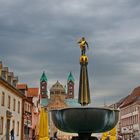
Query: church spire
x=43, y=77
x=70, y=78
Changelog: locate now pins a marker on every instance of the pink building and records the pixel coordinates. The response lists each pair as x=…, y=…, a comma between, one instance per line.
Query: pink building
x=130, y=116
x=33, y=94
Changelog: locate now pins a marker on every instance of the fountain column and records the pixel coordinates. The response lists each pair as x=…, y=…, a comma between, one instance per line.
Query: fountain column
x=84, y=92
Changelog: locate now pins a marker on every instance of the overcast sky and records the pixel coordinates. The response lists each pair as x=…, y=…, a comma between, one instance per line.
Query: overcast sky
x=42, y=35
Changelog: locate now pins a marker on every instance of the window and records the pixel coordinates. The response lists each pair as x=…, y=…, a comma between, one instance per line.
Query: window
x=43, y=87
x=9, y=101
x=25, y=107
x=18, y=106
x=3, y=99
x=28, y=108
x=70, y=87
x=43, y=82
x=1, y=125
x=43, y=92
x=70, y=92
x=14, y=104
x=3, y=75
x=17, y=128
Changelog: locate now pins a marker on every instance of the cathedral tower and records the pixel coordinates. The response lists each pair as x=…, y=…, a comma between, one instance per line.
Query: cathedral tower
x=70, y=86
x=43, y=88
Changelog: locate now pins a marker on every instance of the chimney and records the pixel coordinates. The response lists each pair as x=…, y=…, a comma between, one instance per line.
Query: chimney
x=15, y=81
x=10, y=77
x=0, y=68
x=5, y=73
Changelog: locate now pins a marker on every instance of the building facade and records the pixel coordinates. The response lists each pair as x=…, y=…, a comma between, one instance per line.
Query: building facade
x=33, y=94
x=27, y=119
x=27, y=106
x=10, y=105
x=130, y=115
x=17, y=105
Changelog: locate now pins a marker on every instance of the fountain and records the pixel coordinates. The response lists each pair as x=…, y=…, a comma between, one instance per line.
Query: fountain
x=84, y=120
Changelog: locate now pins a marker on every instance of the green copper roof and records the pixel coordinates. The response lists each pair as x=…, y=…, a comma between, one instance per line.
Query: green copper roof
x=43, y=77
x=70, y=77
x=72, y=102
x=44, y=102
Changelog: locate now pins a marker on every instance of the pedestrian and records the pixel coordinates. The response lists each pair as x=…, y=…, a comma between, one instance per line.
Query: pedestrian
x=12, y=134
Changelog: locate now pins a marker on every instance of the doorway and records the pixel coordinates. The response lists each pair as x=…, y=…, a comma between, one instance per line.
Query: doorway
x=7, y=129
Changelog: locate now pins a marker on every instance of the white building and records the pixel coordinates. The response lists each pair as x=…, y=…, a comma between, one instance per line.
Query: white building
x=10, y=105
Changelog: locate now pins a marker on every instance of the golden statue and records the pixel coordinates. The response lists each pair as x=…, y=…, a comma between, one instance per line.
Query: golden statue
x=83, y=44
x=84, y=91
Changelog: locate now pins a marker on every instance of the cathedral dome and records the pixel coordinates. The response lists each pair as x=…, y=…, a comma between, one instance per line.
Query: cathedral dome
x=57, y=88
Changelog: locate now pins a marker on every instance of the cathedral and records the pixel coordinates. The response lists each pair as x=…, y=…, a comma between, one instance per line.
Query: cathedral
x=57, y=97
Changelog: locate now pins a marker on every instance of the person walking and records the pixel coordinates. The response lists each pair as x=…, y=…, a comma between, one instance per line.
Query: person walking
x=12, y=134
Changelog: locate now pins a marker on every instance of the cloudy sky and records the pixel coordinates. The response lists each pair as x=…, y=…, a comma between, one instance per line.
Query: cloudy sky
x=42, y=35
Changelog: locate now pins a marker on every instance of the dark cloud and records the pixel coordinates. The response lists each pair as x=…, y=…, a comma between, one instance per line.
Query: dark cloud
x=37, y=36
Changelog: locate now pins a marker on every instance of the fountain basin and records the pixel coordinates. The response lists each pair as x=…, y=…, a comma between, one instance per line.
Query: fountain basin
x=85, y=119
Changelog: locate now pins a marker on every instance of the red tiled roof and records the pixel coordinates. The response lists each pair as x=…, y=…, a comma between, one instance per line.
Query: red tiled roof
x=132, y=97
x=32, y=92
x=22, y=86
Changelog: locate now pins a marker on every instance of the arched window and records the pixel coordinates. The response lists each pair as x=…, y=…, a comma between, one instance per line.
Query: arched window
x=1, y=125
x=14, y=104
x=18, y=106
x=9, y=101
x=3, y=99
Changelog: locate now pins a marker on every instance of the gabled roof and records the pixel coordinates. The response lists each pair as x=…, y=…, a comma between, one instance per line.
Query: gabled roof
x=43, y=77
x=134, y=96
x=22, y=86
x=70, y=78
x=32, y=92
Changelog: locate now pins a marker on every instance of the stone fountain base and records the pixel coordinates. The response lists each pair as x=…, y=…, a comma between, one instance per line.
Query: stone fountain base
x=85, y=121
